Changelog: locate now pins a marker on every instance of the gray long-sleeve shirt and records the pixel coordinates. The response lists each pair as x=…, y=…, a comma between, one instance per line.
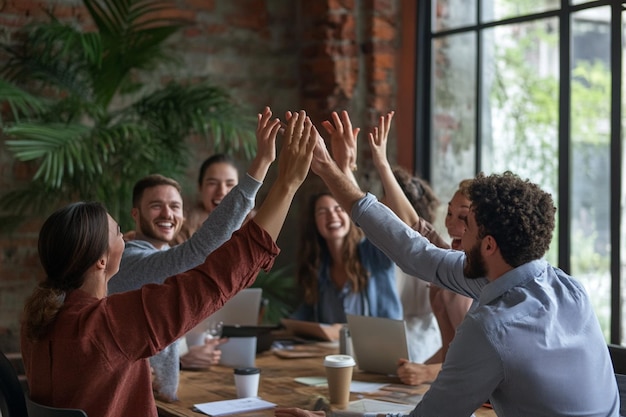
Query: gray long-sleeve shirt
x=142, y=264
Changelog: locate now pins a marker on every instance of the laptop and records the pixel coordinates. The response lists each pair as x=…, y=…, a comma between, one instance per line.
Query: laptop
x=243, y=309
x=378, y=343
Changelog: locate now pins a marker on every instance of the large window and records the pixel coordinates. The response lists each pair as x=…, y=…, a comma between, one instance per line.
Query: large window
x=534, y=87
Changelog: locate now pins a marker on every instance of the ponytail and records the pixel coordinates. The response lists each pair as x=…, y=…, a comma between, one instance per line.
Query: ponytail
x=41, y=310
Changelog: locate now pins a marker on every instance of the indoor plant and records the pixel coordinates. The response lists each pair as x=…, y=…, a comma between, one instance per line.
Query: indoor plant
x=74, y=105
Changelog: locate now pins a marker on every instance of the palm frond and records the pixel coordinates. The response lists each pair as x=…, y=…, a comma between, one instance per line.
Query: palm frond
x=31, y=200
x=53, y=57
x=58, y=86
x=179, y=110
x=133, y=34
x=59, y=148
x=21, y=103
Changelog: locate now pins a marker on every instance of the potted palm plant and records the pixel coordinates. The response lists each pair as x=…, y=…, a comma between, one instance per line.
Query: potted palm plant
x=74, y=106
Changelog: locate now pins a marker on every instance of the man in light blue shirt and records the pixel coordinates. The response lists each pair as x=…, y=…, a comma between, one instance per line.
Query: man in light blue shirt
x=532, y=345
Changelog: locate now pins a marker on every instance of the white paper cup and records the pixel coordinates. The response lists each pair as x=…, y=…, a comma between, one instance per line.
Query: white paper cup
x=339, y=375
x=247, y=382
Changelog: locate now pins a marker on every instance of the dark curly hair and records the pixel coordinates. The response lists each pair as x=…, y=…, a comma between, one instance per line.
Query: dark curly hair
x=517, y=213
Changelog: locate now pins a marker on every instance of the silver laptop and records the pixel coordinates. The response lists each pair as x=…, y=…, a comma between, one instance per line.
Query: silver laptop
x=243, y=309
x=378, y=343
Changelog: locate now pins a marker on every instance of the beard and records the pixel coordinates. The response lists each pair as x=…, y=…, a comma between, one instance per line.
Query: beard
x=149, y=231
x=474, y=263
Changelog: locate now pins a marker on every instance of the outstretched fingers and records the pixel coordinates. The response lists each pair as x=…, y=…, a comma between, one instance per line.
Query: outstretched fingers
x=297, y=152
x=266, y=131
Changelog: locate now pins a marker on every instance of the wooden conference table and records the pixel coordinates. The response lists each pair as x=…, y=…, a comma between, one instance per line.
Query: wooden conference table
x=276, y=384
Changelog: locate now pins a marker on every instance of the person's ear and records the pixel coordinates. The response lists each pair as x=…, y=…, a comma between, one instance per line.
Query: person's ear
x=134, y=212
x=489, y=245
x=101, y=264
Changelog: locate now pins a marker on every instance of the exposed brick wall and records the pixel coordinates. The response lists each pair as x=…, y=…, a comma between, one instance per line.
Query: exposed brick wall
x=320, y=55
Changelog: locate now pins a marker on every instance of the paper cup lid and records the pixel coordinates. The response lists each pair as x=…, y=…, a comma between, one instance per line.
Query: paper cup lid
x=339, y=361
x=247, y=371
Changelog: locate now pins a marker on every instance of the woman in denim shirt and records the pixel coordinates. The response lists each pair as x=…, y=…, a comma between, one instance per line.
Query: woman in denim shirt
x=339, y=270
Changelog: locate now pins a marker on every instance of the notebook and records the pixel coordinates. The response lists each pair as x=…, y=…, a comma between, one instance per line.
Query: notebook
x=378, y=343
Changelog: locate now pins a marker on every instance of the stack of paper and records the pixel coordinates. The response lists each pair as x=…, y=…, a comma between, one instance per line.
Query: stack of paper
x=223, y=408
x=367, y=406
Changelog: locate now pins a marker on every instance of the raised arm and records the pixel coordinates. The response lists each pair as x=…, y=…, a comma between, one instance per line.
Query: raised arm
x=394, y=198
x=204, y=289
x=138, y=269
x=345, y=191
x=293, y=166
x=343, y=142
x=266, y=131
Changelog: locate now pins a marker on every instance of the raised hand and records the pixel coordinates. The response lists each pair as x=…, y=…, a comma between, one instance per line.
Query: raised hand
x=378, y=140
x=321, y=157
x=343, y=139
x=297, y=151
x=294, y=162
x=266, y=131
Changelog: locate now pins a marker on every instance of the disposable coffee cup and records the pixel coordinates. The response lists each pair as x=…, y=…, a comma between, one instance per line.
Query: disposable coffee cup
x=247, y=382
x=339, y=375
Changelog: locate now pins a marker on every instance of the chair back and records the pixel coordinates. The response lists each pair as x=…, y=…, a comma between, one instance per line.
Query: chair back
x=39, y=410
x=621, y=386
x=12, y=402
x=618, y=357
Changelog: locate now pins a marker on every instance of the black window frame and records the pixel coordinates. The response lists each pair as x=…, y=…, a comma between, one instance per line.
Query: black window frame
x=423, y=117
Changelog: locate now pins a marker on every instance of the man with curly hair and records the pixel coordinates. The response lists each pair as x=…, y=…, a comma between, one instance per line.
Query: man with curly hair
x=532, y=345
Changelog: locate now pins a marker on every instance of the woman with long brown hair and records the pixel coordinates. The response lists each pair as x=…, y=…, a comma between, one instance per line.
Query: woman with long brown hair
x=84, y=349
x=339, y=271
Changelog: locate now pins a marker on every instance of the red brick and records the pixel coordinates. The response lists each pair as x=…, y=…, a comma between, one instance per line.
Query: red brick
x=386, y=7
x=315, y=8
x=238, y=45
x=201, y=5
x=340, y=5
x=216, y=29
x=384, y=61
x=383, y=29
x=192, y=32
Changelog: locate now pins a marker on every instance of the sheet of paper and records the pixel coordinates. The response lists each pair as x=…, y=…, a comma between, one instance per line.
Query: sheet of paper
x=355, y=386
x=314, y=381
x=223, y=408
x=365, y=387
x=375, y=406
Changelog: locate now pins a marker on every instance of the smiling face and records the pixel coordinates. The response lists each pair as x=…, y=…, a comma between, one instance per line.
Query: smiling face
x=332, y=222
x=219, y=178
x=456, y=218
x=159, y=216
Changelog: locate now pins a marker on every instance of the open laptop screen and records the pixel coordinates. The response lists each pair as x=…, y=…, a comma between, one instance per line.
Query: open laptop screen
x=378, y=343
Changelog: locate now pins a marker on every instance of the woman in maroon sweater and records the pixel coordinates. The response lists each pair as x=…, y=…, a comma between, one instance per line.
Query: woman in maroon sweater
x=84, y=349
